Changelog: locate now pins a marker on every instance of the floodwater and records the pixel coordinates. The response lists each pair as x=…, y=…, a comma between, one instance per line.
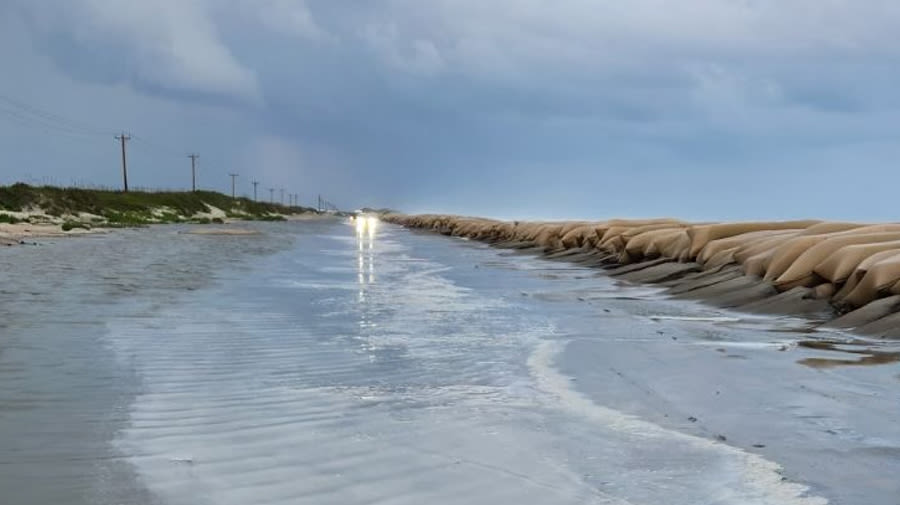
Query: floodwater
x=315, y=364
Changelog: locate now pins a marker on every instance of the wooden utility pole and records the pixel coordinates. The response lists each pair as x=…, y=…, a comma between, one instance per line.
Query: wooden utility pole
x=282, y=196
x=233, y=177
x=271, y=195
x=193, y=158
x=124, y=138
x=255, y=184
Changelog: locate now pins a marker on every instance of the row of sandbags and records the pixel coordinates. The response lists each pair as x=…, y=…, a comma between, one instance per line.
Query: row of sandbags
x=850, y=264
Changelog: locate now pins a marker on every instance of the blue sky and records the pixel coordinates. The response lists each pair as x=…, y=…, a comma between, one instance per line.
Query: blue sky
x=700, y=109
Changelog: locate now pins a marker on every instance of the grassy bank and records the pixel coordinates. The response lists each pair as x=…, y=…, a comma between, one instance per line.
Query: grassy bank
x=77, y=208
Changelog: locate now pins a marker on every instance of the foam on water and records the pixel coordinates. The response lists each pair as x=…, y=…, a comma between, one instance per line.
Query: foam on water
x=758, y=480
x=406, y=389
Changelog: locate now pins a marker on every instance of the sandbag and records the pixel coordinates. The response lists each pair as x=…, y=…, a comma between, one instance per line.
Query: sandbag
x=830, y=227
x=548, y=236
x=578, y=236
x=676, y=246
x=802, y=269
x=723, y=257
x=787, y=253
x=703, y=234
x=768, y=243
x=639, y=230
x=840, y=264
x=854, y=278
x=649, y=243
x=879, y=278
x=715, y=246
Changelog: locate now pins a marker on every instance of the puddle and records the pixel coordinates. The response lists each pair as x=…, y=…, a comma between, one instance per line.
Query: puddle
x=867, y=355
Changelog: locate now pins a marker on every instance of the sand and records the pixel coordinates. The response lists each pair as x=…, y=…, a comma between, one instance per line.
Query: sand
x=222, y=231
x=15, y=234
x=820, y=270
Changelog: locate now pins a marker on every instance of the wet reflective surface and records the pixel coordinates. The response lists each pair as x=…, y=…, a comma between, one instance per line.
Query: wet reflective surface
x=329, y=362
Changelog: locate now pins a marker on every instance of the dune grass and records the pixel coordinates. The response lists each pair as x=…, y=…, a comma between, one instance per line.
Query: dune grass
x=136, y=208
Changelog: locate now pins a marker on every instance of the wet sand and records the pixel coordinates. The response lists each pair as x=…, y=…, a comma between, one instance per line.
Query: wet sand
x=832, y=273
x=324, y=366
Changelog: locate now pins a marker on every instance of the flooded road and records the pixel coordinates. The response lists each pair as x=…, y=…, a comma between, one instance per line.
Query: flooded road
x=316, y=363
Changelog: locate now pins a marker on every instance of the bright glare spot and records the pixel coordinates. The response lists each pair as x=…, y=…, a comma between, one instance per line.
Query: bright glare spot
x=365, y=225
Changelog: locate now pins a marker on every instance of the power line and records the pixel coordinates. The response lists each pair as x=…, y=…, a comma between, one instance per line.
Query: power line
x=161, y=148
x=38, y=114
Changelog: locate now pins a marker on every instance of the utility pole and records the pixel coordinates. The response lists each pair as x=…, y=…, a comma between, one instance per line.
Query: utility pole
x=233, y=176
x=193, y=158
x=271, y=195
x=124, y=138
x=255, y=184
x=282, y=196
x=319, y=204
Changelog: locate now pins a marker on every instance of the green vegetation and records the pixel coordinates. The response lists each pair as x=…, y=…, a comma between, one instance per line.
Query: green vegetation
x=9, y=219
x=116, y=208
x=71, y=225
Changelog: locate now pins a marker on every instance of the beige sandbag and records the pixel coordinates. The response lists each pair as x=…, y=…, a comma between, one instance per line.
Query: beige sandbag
x=787, y=253
x=676, y=246
x=634, y=223
x=723, y=257
x=879, y=278
x=578, y=236
x=614, y=245
x=860, y=272
x=755, y=266
x=639, y=230
x=824, y=291
x=528, y=231
x=840, y=264
x=830, y=227
x=649, y=243
x=715, y=246
x=703, y=234
x=612, y=240
x=571, y=225
x=802, y=269
x=548, y=236
x=755, y=257
x=614, y=231
x=767, y=243
x=593, y=240
x=872, y=228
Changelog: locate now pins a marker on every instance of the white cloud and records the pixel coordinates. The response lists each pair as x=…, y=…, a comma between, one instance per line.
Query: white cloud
x=170, y=44
x=600, y=35
x=287, y=17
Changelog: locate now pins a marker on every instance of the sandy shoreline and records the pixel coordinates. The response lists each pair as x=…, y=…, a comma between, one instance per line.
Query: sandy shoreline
x=22, y=233
x=16, y=234
x=842, y=276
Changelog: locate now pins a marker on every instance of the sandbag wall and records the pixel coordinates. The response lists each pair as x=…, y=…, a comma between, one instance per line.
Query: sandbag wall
x=847, y=266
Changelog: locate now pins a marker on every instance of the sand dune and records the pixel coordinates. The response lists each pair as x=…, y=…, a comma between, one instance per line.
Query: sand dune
x=809, y=267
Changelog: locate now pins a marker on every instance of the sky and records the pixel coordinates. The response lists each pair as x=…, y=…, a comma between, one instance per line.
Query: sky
x=697, y=109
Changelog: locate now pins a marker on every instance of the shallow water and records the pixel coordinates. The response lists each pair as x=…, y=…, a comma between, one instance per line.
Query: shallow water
x=315, y=365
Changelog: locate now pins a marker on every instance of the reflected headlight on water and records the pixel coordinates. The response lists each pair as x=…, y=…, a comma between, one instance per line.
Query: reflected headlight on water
x=365, y=224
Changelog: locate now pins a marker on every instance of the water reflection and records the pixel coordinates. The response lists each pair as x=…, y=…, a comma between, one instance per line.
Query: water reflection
x=366, y=231
x=867, y=355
